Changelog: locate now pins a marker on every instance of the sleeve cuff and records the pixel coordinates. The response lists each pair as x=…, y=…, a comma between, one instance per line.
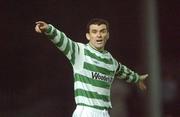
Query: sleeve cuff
x=49, y=29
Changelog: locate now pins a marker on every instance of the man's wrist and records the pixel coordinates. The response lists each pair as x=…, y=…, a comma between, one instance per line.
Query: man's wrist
x=48, y=30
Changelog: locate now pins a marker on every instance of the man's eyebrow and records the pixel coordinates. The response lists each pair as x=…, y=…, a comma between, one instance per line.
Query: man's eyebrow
x=103, y=29
x=94, y=30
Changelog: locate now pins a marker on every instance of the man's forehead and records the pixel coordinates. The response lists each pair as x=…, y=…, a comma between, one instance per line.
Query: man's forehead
x=96, y=26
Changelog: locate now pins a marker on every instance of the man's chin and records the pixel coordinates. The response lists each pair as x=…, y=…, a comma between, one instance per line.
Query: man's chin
x=100, y=48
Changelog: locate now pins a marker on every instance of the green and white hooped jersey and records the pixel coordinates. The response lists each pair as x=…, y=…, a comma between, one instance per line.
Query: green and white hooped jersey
x=94, y=71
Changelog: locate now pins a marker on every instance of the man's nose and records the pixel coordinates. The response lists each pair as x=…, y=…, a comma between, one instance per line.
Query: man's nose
x=99, y=34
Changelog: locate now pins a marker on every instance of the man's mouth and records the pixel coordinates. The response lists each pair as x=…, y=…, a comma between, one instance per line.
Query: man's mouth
x=99, y=41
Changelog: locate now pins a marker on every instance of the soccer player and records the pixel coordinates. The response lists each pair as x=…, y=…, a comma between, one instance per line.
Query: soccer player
x=94, y=68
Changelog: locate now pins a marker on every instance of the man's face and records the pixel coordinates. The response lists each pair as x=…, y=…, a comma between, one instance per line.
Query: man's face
x=97, y=36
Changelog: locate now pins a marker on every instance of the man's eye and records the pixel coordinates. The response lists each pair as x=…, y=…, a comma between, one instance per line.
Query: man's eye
x=104, y=31
x=94, y=31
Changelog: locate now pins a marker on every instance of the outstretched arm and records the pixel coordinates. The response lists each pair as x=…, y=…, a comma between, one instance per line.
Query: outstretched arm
x=62, y=42
x=130, y=76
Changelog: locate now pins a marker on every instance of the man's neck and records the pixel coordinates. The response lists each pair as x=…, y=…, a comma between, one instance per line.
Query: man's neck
x=100, y=50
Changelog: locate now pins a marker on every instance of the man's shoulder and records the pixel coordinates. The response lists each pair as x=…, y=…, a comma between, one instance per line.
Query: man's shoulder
x=80, y=44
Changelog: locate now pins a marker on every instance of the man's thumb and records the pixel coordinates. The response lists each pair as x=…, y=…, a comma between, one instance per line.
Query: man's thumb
x=142, y=77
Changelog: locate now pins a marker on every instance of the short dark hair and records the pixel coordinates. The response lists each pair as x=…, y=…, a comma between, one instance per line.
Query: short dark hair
x=97, y=21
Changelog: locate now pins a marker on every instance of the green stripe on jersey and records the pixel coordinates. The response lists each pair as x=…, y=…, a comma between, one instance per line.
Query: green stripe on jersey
x=97, y=107
x=95, y=68
x=92, y=95
x=53, y=33
x=59, y=44
x=67, y=48
x=49, y=29
x=93, y=82
x=73, y=53
x=93, y=55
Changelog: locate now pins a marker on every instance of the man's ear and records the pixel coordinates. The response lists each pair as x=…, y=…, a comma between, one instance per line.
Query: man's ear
x=87, y=36
x=107, y=36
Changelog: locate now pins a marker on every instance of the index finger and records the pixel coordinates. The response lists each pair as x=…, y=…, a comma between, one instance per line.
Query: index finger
x=39, y=22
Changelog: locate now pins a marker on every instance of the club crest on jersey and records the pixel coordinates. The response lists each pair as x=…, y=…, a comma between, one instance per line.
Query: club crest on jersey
x=98, y=76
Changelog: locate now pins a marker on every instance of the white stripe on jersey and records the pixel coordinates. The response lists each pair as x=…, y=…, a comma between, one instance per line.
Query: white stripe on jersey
x=57, y=38
x=92, y=102
x=88, y=73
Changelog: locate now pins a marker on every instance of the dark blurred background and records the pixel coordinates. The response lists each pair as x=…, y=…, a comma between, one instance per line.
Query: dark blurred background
x=36, y=79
